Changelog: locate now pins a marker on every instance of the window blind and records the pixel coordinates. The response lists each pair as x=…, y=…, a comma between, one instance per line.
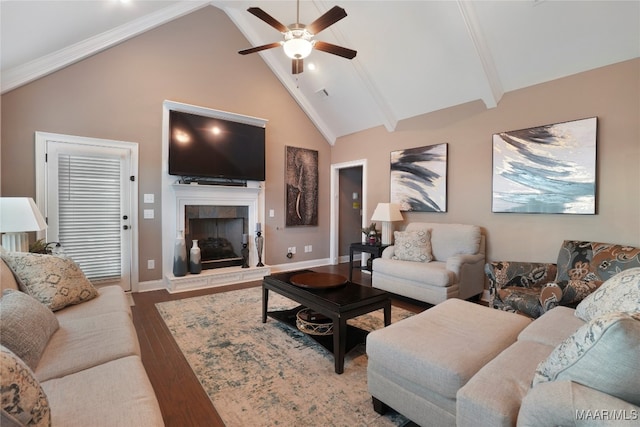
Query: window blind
x=90, y=214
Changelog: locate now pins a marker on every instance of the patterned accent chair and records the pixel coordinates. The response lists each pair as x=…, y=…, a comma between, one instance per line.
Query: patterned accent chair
x=532, y=288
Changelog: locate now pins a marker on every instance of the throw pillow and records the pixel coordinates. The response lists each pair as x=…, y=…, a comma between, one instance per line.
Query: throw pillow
x=413, y=245
x=603, y=354
x=53, y=280
x=24, y=403
x=26, y=326
x=619, y=293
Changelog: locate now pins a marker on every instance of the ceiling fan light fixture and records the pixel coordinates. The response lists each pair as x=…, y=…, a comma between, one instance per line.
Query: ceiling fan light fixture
x=297, y=48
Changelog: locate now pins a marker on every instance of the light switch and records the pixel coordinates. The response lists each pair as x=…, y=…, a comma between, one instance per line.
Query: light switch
x=149, y=214
x=149, y=198
x=272, y=213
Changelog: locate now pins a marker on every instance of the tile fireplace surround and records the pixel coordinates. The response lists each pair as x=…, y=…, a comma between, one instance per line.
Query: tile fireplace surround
x=174, y=202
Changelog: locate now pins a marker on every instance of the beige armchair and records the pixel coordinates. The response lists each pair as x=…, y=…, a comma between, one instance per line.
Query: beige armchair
x=454, y=268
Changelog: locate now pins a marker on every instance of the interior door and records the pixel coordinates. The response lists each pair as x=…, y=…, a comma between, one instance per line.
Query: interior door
x=88, y=207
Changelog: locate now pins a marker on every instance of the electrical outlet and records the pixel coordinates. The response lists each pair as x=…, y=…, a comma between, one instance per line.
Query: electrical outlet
x=151, y=264
x=293, y=250
x=272, y=213
x=310, y=248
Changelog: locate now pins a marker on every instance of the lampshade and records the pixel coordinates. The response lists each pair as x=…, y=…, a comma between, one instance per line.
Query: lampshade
x=387, y=212
x=19, y=215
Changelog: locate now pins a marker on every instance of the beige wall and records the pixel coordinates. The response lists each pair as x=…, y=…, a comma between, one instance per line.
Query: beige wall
x=611, y=93
x=118, y=94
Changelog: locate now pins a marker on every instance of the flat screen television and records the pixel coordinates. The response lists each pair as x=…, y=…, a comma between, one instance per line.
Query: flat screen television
x=208, y=147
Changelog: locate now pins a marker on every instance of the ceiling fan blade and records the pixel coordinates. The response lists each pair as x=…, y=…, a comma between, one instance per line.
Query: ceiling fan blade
x=259, y=48
x=332, y=16
x=297, y=66
x=256, y=11
x=336, y=50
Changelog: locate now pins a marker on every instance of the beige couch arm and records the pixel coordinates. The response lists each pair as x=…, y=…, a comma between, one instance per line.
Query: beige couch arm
x=388, y=252
x=469, y=271
x=565, y=403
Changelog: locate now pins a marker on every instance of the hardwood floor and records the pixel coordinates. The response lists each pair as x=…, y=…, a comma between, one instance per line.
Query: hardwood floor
x=182, y=400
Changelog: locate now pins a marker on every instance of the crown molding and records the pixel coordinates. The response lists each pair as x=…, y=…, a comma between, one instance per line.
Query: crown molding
x=40, y=67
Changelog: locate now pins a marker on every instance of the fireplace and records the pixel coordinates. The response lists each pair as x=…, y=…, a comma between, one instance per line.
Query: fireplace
x=218, y=230
x=215, y=212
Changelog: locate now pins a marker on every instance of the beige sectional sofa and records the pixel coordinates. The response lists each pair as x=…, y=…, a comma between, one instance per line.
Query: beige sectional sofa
x=79, y=365
x=463, y=364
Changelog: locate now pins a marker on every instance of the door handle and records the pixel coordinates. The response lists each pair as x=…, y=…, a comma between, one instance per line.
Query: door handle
x=125, y=227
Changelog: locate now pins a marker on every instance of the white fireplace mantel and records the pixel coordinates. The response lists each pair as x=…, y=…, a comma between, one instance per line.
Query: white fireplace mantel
x=176, y=197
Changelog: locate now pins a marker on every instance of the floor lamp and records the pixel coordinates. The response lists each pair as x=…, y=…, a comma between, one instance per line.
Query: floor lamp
x=18, y=216
x=387, y=213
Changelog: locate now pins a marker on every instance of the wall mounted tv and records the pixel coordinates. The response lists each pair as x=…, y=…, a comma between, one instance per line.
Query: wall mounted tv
x=215, y=148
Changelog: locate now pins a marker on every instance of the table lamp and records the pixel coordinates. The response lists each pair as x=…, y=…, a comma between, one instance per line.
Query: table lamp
x=387, y=213
x=18, y=216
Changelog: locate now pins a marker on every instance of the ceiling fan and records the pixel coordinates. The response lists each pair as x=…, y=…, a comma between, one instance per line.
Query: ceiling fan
x=298, y=38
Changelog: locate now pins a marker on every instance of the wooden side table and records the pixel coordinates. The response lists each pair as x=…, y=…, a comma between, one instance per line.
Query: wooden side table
x=374, y=250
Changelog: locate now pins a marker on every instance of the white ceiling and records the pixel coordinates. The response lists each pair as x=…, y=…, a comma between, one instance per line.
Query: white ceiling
x=414, y=57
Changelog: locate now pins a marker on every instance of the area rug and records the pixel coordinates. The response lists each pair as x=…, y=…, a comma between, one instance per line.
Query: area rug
x=271, y=374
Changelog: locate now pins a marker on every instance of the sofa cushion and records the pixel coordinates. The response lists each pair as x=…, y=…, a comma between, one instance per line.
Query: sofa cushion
x=53, y=280
x=619, y=293
x=110, y=299
x=434, y=273
x=412, y=245
x=604, y=354
x=26, y=326
x=116, y=393
x=450, y=239
x=24, y=403
x=521, y=300
x=553, y=327
x=86, y=342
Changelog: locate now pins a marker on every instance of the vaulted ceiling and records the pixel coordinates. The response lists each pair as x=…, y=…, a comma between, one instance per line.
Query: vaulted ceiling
x=414, y=57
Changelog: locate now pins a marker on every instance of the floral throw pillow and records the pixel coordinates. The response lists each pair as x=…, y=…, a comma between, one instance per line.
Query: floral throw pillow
x=53, y=280
x=603, y=354
x=619, y=293
x=413, y=245
x=24, y=403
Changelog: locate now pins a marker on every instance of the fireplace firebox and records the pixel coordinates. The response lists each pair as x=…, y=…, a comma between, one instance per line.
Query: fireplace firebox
x=218, y=230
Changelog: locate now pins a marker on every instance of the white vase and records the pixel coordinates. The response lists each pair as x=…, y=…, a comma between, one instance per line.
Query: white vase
x=180, y=256
x=195, y=261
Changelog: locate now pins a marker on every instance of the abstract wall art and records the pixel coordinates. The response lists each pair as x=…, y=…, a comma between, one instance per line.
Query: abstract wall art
x=419, y=178
x=546, y=169
x=302, y=186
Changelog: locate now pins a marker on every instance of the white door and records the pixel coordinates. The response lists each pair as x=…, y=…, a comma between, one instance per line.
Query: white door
x=89, y=192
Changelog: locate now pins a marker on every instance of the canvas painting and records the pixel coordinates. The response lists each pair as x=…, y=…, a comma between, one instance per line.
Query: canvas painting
x=302, y=186
x=419, y=178
x=546, y=169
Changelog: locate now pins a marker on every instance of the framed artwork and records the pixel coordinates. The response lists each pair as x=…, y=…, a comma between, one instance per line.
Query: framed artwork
x=546, y=169
x=301, y=170
x=419, y=178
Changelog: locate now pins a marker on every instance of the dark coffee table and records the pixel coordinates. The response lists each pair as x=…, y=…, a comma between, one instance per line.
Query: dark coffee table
x=337, y=303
